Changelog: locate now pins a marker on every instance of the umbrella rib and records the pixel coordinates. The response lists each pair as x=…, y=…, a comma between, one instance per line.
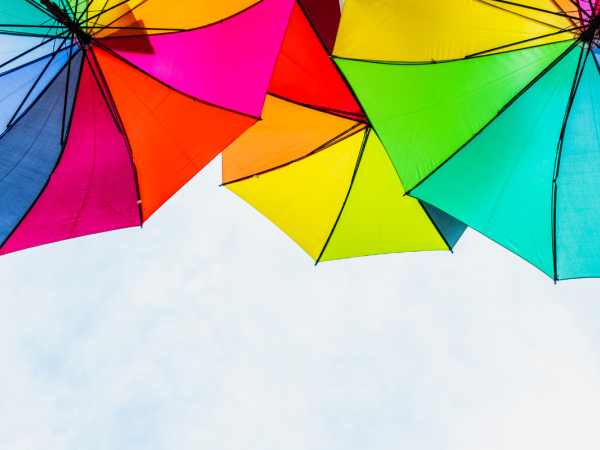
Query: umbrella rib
x=98, y=15
x=335, y=140
x=120, y=58
x=574, y=87
x=108, y=104
x=120, y=17
x=483, y=53
x=504, y=108
x=360, y=154
x=10, y=122
x=581, y=10
x=62, y=151
x=554, y=13
x=123, y=133
x=173, y=30
x=331, y=111
x=32, y=49
x=62, y=130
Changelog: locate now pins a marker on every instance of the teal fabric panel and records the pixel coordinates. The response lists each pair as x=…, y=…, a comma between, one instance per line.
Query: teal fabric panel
x=450, y=228
x=500, y=183
x=578, y=183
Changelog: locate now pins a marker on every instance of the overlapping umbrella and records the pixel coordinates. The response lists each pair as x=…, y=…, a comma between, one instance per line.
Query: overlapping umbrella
x=108, y=107
x=491, y=115
x=314, y=165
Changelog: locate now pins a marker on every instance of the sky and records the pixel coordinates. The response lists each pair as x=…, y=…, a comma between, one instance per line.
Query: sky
x=210, y=329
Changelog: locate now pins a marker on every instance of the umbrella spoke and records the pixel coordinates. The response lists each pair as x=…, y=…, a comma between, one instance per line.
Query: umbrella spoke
x=10, y=122
x=576, y=81
x=32, y=49
x=554, y=13
x=567, y=30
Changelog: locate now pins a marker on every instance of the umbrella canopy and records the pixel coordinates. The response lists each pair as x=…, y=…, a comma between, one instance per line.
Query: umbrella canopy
x=316, y=168
x=493, y=117
x=108, y=107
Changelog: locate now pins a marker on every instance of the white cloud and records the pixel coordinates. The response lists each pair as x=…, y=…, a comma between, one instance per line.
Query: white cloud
x=209, y=328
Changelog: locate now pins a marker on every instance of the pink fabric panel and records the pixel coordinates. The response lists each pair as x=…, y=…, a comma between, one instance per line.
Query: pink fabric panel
x=93, y=188
x=588, y=6
x=228, y=64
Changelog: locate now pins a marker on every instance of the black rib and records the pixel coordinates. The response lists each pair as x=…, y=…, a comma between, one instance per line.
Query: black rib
x=108, y=104
x=32, y=49
x=116, y=55
x=331, y=111
x=514, y=99
x=120, y=17
x=106, y=10
x=34, y=85
x=581, y=10
x=62, y=129
x=537, y=9
x=574, y=87
x=566, y=30
x=360, y=154
x=55, y=165
x=125, y=137
x=84, y=11
x=97, y=16
x=335, y=140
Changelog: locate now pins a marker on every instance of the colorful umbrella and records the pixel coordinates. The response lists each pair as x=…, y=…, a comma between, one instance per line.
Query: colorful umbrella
x=491, y=116
x=108, y=107
x=315, y=167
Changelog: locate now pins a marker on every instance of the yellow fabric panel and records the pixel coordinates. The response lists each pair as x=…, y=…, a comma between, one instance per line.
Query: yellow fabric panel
x=377, y=217
x=287, y=132
x=417, y=30
x=176, y=14
x=548, y=5
x=304, y=198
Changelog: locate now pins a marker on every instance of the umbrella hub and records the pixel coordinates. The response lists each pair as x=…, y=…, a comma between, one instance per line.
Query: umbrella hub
x=74, y=27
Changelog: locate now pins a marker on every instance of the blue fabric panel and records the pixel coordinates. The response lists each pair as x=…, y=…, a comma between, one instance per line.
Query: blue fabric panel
x=11, y=46
x=15, y=84
x=578, y=183
x=29, y=149
x=500, y=183
x=450, y=228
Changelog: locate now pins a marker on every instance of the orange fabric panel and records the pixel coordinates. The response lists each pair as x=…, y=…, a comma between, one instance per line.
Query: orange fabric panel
x=286, y=133
x=172, y=136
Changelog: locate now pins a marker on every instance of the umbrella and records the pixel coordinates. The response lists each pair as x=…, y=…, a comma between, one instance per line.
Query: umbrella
x=315, y=167
x=493, y=118
x=108, y=107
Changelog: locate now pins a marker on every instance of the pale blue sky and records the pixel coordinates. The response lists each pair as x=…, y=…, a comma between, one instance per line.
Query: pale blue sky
x=210, y=329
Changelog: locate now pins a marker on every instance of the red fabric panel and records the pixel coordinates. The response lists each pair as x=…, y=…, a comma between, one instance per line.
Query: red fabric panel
x=325, y=17
x=93, y=188
x=304, y=72
x=172, y=136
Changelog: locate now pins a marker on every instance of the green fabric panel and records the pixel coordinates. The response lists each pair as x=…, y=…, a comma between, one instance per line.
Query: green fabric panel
x=377, y=217
x=501, y=182
x=22, y=13
x=578, y=189
x=424, y=113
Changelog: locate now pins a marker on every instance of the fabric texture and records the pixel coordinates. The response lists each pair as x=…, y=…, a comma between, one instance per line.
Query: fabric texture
x=30, y=149
x=172, y=136
x=425, y=113
x=93, y=188
x=228, y=64
x=501, y=182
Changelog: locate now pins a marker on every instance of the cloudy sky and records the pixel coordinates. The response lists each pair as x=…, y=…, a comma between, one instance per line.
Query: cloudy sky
x=210, y=329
